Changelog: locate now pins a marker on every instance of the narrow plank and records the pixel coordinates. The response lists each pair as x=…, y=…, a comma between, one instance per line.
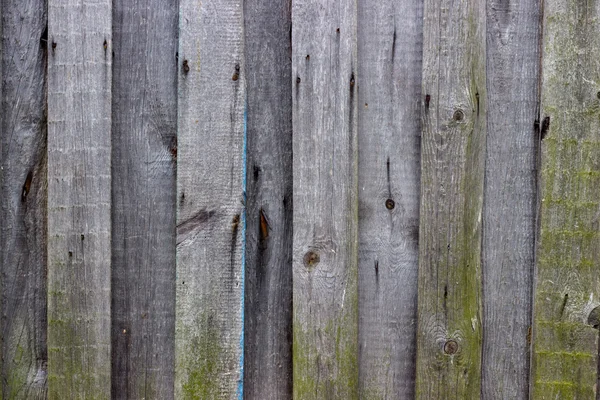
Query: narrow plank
x=390, y=45
x=144, y=151
x=510, y=196
x=210, y=201
x=452, y=171
x=79, y=184
x=268, y=309
x=23, y=200
x=565, y=353
x=325, y=273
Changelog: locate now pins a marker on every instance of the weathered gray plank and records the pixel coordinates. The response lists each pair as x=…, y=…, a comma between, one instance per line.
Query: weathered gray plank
x=23, y=200
x=144, y=151
x=210, y=198
x=79, y=215
x=452, y=171
x=268, y=321
x=389, y=59
x=510, y=196
x=567, y=293
x=325, y=299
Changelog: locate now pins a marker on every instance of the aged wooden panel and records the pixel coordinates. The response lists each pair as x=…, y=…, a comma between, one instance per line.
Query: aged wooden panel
x=389, y=59
x=510, y=195
x=210, y=201
x=325, y=84
x=268, y=321
x=79, y=214
x=23, y=200
x=452, y=171
x=567, y=292
x=144, y=153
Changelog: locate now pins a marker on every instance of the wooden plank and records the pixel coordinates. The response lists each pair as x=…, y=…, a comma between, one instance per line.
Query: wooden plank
x=510, y=196
x=210, y=199
x=452, y=171
x=23, y=200
x=144, y=125
x=79, y=186
x=268, y=309
x=325, y=299
x=390, y=46
x=567, y=293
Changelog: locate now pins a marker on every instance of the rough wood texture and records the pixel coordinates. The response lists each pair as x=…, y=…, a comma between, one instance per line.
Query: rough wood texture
x=325, y=81
x=23, y=200
x=144, y=152
x=210, y=198
x=389, y=57
x=510, y=195
x=268, y=328
x=452, y=171
x=79, y=185
x=567, y=282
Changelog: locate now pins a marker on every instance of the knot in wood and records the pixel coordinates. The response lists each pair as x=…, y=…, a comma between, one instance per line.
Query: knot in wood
x=451, y=347
x=311, y=259
x=390, y=204
x=459, y=115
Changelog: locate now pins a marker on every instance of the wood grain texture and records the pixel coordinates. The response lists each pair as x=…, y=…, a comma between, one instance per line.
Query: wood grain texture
x=79, y=185
x=210, y=198
x=452, y=172
x=268, y=321
x=325, y=298
x=510, y=196
x=390, y=47
x=567, y=292
x=23, y=198
x=144, y=153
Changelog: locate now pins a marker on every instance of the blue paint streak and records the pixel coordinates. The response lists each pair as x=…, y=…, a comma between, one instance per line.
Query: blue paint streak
x=240, y=390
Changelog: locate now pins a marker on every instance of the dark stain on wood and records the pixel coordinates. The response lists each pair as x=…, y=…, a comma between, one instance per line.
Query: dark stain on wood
x=545, y=127
x=26, y=186
x=264, y=225
x=194, y=221
x=186, y=66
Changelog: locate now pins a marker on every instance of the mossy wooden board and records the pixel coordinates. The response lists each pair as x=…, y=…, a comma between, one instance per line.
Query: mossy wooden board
x=565, y=344
x=452, y=171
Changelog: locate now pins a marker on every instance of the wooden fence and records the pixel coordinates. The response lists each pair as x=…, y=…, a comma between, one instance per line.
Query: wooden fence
x=267, y=199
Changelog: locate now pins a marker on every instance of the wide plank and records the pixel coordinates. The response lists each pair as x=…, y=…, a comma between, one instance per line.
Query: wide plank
x=567, y=292
x=325, y=251
x=510, y=196
x=390, y=45
x=452, y=174
x=79, y=186
x=23, y=197
x=268, y=320
x=210, y=201
x=144, y=153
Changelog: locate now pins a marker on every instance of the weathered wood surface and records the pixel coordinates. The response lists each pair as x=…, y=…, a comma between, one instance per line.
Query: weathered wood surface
x=79, y=187
x=565, y=356
x=325, y=302
x=210, y=201
x=510, y=196
x=268, y=322
x=452, y=171
x=389, y=129
x=23, y=200
x=144, y=152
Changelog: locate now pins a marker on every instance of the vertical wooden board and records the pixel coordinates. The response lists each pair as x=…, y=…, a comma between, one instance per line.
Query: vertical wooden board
x=210, y=199
x=452, y=172
x=23, y=200
x=79, y=185
x=144, y=151
x=325, y=299
x=390, y=47
x=567, y=293
x=268, y=320
x=510, y=196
